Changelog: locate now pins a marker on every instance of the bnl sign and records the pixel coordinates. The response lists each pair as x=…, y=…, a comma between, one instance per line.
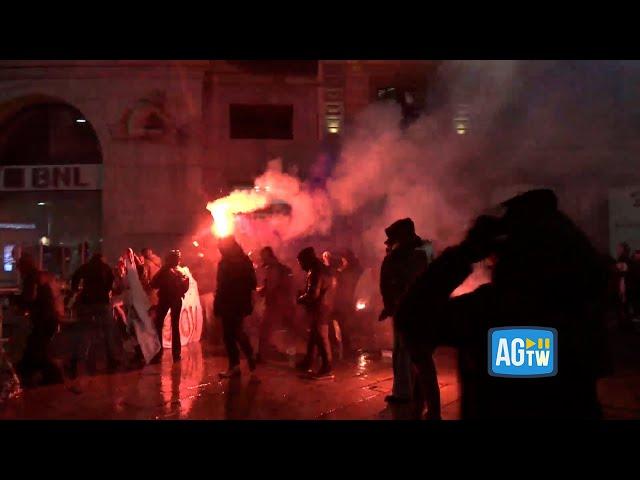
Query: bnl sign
x=51, y=177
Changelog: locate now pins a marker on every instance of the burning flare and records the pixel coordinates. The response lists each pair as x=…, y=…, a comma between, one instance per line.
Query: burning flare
x=224, y=209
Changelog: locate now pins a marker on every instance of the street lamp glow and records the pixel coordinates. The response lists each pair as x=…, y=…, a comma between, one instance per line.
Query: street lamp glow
x=40, y=204
x=80, y=120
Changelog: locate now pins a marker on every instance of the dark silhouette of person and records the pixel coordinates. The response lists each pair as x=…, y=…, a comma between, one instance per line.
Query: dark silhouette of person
x=633, y=285
x=622, y=268
x=279, y=300
x=172, y=285
x=314, y=299
x=39, y=301
x=236, y=281
x=546, y=274
x=409, y=257
x=93, y=282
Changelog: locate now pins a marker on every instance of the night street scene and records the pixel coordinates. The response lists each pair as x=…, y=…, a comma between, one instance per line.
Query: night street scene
x=319, y=240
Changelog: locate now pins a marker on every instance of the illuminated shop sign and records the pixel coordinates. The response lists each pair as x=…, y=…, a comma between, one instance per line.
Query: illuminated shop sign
x=51, y=177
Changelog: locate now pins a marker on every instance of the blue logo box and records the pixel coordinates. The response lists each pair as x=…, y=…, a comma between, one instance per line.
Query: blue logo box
x=523, y=352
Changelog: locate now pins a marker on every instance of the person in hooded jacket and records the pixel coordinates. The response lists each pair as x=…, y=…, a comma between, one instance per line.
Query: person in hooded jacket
x=314, y=299
x=172, y=285
x=235, y=284
x=546, y=274
x=408, y=258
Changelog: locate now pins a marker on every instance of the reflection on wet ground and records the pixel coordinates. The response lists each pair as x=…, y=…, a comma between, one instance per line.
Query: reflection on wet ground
x=191, y=389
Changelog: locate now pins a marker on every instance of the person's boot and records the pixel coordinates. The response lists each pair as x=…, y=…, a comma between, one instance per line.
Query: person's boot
x=396, y=400
x=325, y=372
x=71, y=370
x=231, y=372
x=432, y=416
x=303, y=365
x=253, y=363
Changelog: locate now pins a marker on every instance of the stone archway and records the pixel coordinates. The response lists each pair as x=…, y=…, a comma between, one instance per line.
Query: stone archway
x=50, y=181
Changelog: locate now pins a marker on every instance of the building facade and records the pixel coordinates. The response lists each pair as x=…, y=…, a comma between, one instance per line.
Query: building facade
x=127, y=153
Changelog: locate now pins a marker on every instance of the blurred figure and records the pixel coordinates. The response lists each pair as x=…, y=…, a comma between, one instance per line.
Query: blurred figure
x=633, y=286
x=236, y=281
x=151, y=264
x=203, y=270
x=347, y=275
x=333, y=262
x=42, y=302
x=408, y=258
x=28, y=271
x=93, y=283
x=313, y=298
x=172, y=285
x=277, y=291
x=623, y=263
x=546, y=274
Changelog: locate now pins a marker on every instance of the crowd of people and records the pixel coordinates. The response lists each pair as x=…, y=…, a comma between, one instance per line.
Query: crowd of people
x=545, y=272
x=112, y=308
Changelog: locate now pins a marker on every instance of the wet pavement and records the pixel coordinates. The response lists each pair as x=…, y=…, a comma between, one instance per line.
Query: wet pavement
x=191, y=389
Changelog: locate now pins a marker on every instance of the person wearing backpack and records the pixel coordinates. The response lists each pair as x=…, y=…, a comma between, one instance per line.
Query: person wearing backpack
x=172, y=285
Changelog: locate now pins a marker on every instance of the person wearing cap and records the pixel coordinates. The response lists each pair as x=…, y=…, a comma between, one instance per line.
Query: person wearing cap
x=408, y=257
x=546, y=273
x=314, y=300
x=172, y=285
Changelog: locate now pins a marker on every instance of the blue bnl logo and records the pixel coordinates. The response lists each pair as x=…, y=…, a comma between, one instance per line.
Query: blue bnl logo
x=524, y=352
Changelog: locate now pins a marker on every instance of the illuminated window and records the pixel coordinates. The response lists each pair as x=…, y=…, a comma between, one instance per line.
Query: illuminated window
x=7, y=258
x=461, y=120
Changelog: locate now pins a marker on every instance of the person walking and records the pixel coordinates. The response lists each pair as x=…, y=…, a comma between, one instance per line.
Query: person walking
x=314, y=300
x=236, y=282
x=172, y=285
x=93, y=282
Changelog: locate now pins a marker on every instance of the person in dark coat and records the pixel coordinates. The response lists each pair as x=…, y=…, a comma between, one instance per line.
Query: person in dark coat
x=236, y=281
x=313, y=298
x=40, y=301
x=172, y=285
x=278, y=298
x=409, y=257
x=93, y=282
x=546, y=274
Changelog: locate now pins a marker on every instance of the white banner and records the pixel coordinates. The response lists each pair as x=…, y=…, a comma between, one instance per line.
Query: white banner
x=143, y=325
x=51, y=177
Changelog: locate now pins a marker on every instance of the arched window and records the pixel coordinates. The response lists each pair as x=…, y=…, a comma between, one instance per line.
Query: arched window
x=48, y=134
